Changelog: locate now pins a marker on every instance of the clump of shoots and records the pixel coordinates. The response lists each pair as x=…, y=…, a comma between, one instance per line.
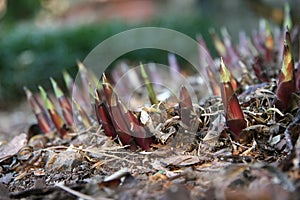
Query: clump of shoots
x=107, y=90
x=234, y=116
x=54, y=115
x=205, y=58
x=118, y=121
x=287, y=16
x=73, y=89
x=152, y=95
x=175, y=69
x=286, y=83
x=288, y=41
x=208, y=66
x=138, y=132
x=185, y=106
x=84, y=118
x=116, y=115
x=39, y=112
x=89, y=82
x=234, y=83
x=231, y=53
x=218, y=43
x=64, y=103
x=68, y=81
x=213, y=82
x=103, y=116
x=267, y=37
x=120, y=124
x=269, y=44
x=259, y=72
x=261, y=51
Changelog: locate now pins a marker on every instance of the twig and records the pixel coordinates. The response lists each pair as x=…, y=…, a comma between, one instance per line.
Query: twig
x=83, y=131
x=276, y=110
x=76, y=193
x=250, y=149
x=238, y=144
x=108, y=155
x=252, y=113
x=213, y=113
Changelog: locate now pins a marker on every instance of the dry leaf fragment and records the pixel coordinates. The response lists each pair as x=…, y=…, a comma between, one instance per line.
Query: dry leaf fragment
x=181, y=161
x=13, y=147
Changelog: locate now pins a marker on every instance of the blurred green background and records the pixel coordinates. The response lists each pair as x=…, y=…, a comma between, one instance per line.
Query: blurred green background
x=40, y=38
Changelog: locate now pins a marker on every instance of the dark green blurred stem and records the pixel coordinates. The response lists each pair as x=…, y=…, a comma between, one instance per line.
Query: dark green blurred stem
x=151, y=93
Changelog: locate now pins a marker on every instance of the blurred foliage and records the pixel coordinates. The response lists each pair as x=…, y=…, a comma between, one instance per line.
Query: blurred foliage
x=30, y=55
x=21, y=10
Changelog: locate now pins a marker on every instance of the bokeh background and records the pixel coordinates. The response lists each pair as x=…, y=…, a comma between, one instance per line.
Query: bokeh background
x=40, y=38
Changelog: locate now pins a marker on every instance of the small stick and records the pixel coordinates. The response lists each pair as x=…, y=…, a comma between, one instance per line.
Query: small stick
x=75, y=193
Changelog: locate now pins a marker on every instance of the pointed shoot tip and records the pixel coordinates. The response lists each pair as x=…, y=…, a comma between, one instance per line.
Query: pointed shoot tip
x=224, y=72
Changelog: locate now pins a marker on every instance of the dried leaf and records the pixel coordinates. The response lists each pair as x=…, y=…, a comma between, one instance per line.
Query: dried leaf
x=181, y=161
x=214, y=131
x=115, y=179
x=12, y=148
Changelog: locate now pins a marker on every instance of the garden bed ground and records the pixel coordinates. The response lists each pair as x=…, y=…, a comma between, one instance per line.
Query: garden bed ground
x=207, y=164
